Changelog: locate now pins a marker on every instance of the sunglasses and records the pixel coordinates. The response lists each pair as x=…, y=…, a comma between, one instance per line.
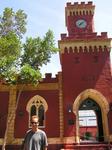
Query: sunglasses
x=34, y=123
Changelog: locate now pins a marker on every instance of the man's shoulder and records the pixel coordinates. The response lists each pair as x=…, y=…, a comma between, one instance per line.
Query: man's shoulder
x=28, y=132
x=41, y=131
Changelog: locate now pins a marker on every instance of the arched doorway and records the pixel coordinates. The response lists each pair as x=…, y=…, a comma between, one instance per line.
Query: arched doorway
x=91, y=128
x=101, y=102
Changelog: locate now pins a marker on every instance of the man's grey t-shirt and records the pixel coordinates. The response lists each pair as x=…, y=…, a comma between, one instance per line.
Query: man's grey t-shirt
x=35, y=140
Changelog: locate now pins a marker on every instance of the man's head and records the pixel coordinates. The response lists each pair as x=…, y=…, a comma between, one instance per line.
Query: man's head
x=34, y=122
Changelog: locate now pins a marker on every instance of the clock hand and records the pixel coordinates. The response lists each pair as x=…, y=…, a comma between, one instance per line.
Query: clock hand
x=80, y=23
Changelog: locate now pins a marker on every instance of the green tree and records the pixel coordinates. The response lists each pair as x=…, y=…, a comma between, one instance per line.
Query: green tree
x=12, y=21
x=10, y=47
x=20, y=63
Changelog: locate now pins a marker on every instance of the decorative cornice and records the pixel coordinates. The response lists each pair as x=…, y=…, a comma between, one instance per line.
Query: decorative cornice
x=41, y=86
x=85, y=45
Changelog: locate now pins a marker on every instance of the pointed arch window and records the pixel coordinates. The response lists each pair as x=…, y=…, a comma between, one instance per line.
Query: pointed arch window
x=41, y=115
x=33, y=110
x=37, y=106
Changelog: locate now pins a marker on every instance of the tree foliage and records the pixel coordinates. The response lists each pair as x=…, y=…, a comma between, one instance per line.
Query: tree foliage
x=12, y=21
x=10, y=47
x=38, y=51
x=21, y=62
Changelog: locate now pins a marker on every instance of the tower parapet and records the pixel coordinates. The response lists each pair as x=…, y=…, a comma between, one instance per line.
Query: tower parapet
x=85, y=43
x=93, y=35
x=81, y=36
x=79, y=9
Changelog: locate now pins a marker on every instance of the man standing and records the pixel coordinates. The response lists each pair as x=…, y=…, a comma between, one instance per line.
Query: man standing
x=35, y=138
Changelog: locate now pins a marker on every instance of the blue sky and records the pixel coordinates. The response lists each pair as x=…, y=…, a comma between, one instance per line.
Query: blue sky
x=49, y=14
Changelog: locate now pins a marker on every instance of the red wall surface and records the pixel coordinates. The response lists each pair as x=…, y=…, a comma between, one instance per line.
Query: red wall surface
x=86, y=74
x=4, y=98
x=72, y=28
x=52, y=114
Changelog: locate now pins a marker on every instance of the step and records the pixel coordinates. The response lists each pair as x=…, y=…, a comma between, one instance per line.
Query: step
x=88, y=146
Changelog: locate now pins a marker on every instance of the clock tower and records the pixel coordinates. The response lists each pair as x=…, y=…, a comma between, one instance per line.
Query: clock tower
x=86, y=69
x=79, y=18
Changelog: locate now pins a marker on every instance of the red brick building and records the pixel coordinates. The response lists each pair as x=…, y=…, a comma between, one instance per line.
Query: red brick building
x=85, y=83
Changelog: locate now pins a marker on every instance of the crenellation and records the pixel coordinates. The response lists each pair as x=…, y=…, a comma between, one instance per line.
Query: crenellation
x=80, y=4
x=76, y=3
x=63, y=35
x=93, y=35
x=98, y=36
x=90, y=3
x=68, y=4
x=48, y=75
x=104, y=34
x=48, y=78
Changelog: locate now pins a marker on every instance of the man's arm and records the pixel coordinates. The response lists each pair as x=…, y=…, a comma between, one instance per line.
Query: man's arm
x=45, y=148
x=45, y=142
x=22, y=145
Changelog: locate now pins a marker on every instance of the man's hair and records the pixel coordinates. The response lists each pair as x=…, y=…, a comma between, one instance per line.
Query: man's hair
x=34, y=116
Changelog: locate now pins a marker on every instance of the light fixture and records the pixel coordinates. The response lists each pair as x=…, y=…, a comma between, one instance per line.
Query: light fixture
x=69, y=108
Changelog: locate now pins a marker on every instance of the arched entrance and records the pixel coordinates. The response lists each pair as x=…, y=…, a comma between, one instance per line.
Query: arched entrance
x=103, y=108
x=91, y=128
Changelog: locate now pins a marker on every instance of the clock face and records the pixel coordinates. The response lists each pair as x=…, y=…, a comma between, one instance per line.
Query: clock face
x=81, y=23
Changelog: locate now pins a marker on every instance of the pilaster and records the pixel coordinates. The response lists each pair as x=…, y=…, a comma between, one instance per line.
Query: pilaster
x=61, y=107
x=11, y=114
